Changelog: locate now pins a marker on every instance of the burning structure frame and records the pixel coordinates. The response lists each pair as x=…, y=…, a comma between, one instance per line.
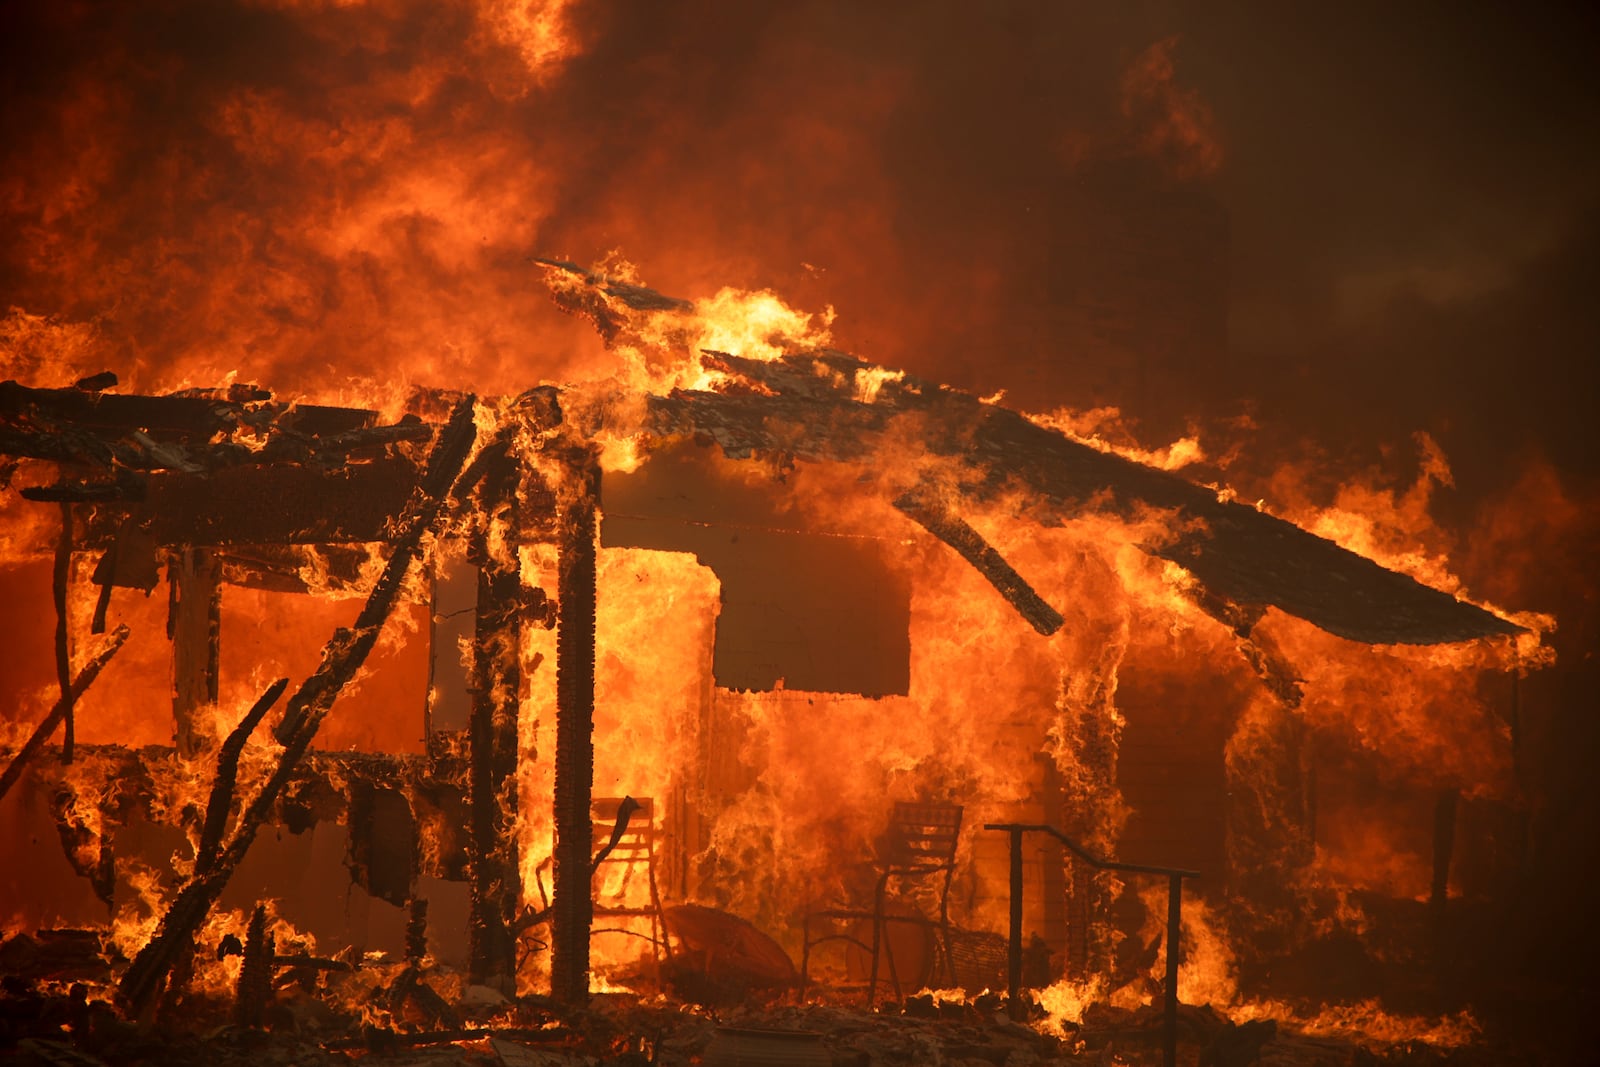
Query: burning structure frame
x=231, y=486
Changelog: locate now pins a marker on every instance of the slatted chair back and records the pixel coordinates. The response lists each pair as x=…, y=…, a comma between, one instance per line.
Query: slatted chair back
x=637, y=843
x=630, y=852
x=922, y=838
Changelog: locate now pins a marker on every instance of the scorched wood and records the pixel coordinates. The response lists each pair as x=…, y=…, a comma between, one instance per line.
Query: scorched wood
x=60, y=586
x=342, y=657
x=196, y=627
x=497, y=683
x=42, y=733
x=278, y=505
x=571, y=905
x=970, y=545
x=224, y=783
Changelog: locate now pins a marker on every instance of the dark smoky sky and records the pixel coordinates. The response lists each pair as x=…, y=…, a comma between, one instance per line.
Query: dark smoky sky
x=1415, y=218
x=1410, y=193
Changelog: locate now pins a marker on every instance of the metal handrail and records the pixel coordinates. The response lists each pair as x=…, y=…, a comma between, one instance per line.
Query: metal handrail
x=1174, y=876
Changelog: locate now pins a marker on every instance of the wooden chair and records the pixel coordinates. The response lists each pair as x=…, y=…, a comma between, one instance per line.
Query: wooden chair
x=920, y=848
x=624, y=849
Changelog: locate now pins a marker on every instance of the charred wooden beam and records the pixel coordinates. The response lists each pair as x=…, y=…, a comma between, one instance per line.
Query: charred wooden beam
x=605, y=302
x=497, y=683
x=96, y=383
x=382, y=1041
x=954, y=531
x=571, y=907
x=342, y=658
x=61, y=444
x=411, y=995
x=79, y=493
x=196, y=628
x=417, y=931
x=409, y=429
x=283, y=568
x=60, y=586
x=195, y=415
x=223, y=785
x=42, y=733
x=1257, y=647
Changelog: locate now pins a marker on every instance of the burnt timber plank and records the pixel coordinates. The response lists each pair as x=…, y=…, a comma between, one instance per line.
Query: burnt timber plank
x=47, y=726
x=185, y=415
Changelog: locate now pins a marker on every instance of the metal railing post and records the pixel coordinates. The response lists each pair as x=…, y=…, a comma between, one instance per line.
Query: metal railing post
x=1014, y=972
x=1169, y=1037
x=1174, y=877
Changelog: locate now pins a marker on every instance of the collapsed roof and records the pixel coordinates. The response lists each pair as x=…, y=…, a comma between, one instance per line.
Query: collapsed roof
x=235, y=467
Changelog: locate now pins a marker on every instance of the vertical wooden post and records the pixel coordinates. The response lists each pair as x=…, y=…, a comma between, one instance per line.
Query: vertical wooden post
x=195, y=628
x=496, y=885
x=571, y=908
x=61, y=581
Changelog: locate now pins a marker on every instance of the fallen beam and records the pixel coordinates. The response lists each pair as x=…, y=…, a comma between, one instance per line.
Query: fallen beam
x=970, y=544
x=223, y=785
x=42, y=733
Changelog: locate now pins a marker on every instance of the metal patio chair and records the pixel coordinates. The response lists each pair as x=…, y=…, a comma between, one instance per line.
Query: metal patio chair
x=919, y=851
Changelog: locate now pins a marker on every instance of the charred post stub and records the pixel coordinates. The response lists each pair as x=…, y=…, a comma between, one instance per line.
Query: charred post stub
x=196, y=627
x=571, y=910
x=492, y=780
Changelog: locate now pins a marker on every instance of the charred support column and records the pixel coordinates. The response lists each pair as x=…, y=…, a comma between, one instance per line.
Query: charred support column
x=1017, y=1008
x=497, y=684
x=575, y=652
x=60, y=586
x=195, y=627
x=1169, y=1029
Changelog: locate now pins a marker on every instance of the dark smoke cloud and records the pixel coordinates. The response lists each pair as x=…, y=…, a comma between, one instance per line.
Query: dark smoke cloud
x=1413, y=195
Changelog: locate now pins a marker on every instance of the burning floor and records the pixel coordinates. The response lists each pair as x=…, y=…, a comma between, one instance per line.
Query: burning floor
x=304, y=1011
x=666, y=685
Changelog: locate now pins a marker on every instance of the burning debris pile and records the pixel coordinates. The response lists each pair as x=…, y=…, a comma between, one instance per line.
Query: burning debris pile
x=1010, y=579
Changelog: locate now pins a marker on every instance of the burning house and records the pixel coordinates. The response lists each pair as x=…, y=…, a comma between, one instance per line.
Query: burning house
x=767, y=602
x=390, y=661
